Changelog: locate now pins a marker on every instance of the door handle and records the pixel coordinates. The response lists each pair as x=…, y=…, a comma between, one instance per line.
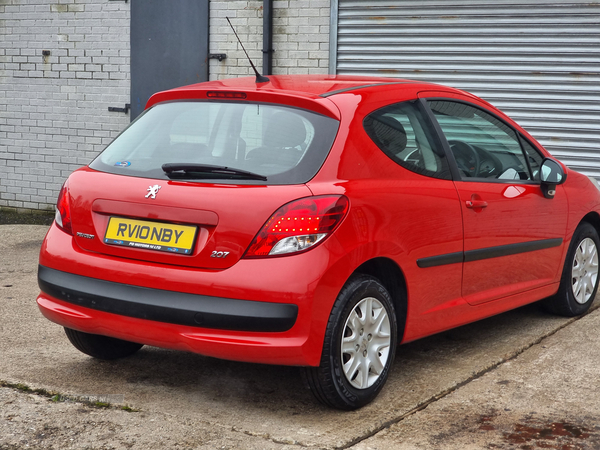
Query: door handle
x=476, y=204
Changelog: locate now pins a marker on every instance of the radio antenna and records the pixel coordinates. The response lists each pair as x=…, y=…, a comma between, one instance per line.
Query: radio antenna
x=259, y=77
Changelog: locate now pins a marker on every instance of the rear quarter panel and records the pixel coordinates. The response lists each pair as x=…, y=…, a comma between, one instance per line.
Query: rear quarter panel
x=394, y=213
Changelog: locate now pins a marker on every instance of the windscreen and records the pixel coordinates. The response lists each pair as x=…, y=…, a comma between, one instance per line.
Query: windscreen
x=282, y=144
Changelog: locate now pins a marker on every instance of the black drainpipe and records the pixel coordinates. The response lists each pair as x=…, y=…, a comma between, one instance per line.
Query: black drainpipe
x=267, y=37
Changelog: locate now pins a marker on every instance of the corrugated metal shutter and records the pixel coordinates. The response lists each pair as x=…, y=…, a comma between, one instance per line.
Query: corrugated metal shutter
x=538, y=61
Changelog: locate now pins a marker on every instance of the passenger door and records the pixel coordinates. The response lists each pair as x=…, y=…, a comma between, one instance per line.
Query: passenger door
x=513, y=236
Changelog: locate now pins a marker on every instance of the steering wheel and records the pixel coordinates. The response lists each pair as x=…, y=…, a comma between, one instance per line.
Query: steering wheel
x=466, y=156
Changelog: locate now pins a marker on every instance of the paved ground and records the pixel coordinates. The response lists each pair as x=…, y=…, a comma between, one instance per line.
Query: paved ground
x=520, y=380
x=14, y=216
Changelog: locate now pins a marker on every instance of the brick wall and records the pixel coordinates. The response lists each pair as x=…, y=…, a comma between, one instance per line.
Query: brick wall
x=300, y=36
x=54, y=108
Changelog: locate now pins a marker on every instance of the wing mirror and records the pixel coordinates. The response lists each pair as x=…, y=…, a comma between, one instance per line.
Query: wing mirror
x=551, y=175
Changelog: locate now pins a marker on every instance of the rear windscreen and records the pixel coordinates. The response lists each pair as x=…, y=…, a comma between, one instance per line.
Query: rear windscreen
x=285, y=145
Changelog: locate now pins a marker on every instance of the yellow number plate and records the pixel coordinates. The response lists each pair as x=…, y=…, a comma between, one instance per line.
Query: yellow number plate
x=147, y=235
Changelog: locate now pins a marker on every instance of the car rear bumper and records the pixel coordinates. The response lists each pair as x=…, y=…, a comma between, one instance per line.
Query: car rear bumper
x=167, y=306
x=270, y=348
x=259, y=310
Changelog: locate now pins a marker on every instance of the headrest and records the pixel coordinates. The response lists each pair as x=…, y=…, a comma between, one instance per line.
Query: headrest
x=285, y=130
x=387, y=132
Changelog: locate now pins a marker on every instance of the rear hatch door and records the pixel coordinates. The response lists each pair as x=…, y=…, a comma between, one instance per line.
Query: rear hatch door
x=186, y=223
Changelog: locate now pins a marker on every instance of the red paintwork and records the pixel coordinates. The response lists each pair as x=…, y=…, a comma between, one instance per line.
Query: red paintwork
x=504, y=222
x=394, y=214
x=96, y=195
x=269, y=348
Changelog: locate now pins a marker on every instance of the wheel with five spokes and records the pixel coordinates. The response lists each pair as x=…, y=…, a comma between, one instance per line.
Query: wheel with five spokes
x=359, y=346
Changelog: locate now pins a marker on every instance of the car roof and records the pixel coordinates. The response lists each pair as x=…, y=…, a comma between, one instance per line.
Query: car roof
x=304, y=91
x=309, y=85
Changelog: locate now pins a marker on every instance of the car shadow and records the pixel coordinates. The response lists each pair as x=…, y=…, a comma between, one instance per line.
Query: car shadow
x=472, y=347
x=273, y=400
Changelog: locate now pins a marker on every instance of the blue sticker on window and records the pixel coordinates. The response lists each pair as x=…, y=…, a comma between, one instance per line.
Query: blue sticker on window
x=123, y=164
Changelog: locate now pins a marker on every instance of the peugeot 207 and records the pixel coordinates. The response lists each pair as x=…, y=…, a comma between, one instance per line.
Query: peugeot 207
x=316, y=221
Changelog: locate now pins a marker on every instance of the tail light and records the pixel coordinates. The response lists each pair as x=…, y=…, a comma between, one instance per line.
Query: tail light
x=63, y=210
x=298, y=226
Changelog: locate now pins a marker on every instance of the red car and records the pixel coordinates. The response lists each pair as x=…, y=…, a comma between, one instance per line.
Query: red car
x=316, y=221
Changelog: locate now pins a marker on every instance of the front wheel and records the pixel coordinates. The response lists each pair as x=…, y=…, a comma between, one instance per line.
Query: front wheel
x=359, y=346
x=101, y=347
x=579, y=281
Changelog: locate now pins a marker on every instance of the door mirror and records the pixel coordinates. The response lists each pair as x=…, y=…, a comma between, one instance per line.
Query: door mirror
x=551, y=174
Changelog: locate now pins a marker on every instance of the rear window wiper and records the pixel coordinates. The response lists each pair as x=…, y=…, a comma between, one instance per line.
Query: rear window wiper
x=185, y=170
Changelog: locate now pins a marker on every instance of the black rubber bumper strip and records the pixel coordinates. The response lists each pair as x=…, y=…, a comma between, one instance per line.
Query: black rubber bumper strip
x=488, y=253
x=441, y=260
x=167, y=306
x=511, y=249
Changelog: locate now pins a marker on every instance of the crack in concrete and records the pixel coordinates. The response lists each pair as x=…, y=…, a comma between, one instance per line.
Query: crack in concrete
x=421, y=406
x=268, y=437
x=292, y=442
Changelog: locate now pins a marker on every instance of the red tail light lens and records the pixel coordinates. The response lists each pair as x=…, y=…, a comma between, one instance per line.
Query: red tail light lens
x=298, y=226
x=63, y=210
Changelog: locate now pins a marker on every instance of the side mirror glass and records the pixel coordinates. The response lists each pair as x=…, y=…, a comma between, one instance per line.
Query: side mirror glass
x=551, y=174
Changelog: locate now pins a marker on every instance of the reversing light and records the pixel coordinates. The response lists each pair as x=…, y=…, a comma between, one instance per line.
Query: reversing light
x=298, y=226
x=63, y=210
x=225, y=94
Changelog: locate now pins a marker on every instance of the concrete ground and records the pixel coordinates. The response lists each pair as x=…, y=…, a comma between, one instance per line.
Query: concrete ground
x=29, y=217
x=520, y=380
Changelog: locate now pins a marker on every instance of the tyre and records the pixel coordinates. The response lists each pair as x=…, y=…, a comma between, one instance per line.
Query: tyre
x=579, y=281
x=101, y=347
x=359, y=346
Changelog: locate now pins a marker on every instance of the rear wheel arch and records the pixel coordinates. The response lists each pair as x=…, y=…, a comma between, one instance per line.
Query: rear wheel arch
x=392, y=278
x=359, y=345
x=356, y=357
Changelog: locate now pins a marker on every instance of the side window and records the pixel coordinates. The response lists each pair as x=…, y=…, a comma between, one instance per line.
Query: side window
x=403, y=134
x=534, y=158
x=482, y=145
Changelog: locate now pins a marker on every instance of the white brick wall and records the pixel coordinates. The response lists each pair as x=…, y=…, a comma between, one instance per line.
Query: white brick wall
x=300, y=37
x=54, y=109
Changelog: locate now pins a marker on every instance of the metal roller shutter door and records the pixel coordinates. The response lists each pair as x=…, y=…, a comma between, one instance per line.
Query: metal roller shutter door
x=539, y=61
